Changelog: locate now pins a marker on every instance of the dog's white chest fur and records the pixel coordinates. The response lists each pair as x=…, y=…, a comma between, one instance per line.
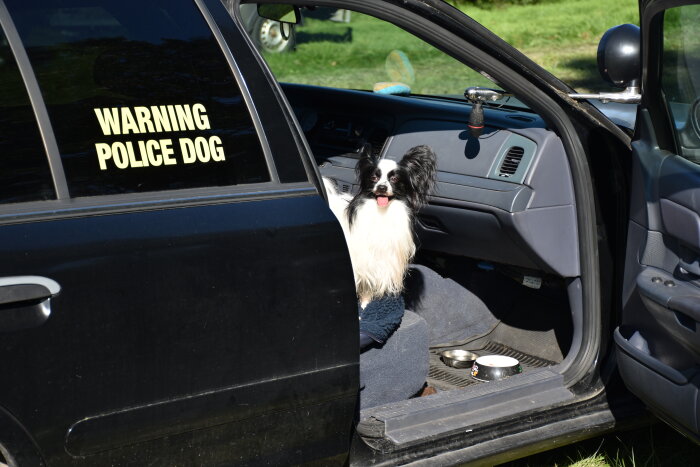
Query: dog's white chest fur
x=381, y=245
x=380, y=242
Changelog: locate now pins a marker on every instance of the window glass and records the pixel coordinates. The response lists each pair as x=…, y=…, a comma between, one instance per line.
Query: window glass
x=680, y=76
x=140, y=96
x=24, y=168
x=343, y=49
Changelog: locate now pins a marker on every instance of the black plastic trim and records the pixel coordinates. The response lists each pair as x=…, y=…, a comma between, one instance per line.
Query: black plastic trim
x=235, y=33
x=37, y=101
x=132, y=202
x=204, y=6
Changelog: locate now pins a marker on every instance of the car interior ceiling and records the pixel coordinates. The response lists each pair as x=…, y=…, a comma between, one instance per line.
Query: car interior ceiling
x=498, y=245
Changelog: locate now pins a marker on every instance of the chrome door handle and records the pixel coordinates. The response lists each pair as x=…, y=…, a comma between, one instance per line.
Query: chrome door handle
x=25, y=301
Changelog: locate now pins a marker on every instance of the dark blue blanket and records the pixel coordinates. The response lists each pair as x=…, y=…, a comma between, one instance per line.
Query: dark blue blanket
x=381, y=317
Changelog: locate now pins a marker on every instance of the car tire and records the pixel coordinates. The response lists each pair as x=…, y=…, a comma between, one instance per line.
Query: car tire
x=268, y=36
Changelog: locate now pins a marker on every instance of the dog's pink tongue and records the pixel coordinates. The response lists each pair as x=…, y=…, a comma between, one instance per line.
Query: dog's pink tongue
x=383, y=201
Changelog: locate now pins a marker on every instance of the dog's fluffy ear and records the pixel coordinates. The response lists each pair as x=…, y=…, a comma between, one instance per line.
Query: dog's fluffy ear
x=420, y=163
x=366, y=161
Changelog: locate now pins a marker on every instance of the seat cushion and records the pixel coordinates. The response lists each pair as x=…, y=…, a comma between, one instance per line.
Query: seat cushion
x=397, y=370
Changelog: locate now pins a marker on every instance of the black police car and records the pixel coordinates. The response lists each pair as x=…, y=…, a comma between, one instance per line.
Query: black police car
x=175, y=291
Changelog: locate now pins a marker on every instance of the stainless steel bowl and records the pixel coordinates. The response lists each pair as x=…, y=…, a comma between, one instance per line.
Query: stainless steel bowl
x=458, y=358
x=494, y=367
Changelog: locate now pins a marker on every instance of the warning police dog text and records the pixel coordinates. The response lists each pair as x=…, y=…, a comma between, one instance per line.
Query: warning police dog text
x=156, y=152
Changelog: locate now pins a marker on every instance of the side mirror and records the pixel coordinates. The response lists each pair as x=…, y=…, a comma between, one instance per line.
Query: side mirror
x=619, y=63
x=277, y=12
x=619, y=56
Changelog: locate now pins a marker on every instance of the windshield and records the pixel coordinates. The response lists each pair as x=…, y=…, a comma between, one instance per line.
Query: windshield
x=340, y=49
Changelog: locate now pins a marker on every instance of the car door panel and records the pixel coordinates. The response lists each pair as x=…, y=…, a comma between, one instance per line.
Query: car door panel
x=174, y=320
x=658, y=342
x=206, y=312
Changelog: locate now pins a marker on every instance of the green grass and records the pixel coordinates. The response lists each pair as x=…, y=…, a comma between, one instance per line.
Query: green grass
x=555, y=24
x=353, y=55
x=562, y=36
x=653, y=446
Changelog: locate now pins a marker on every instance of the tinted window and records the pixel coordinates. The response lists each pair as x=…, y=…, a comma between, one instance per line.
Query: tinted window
x=681, y=76
x=24, y=168
x=139, y=95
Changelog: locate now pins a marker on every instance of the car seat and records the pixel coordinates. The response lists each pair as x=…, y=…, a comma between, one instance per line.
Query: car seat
x=397, y=370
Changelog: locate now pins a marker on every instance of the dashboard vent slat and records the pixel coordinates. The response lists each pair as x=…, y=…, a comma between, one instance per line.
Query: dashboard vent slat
x=511, y=161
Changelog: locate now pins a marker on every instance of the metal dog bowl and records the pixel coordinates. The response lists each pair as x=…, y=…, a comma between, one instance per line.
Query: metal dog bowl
x=493, y=367
x=458, y=358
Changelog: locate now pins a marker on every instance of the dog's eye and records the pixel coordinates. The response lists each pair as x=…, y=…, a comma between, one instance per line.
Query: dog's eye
x=393, y=179
x=374, y=178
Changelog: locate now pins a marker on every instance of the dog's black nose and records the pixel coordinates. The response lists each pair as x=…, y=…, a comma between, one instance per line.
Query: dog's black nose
x=381, y=188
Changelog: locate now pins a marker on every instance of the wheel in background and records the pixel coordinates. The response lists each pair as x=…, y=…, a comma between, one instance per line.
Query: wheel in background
x=272, y=36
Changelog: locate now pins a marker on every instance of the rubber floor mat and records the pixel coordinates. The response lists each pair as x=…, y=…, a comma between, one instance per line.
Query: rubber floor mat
x=443, y=377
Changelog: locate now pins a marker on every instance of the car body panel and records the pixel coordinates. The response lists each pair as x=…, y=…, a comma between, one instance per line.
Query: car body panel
x=171, y=329
x=177, y=334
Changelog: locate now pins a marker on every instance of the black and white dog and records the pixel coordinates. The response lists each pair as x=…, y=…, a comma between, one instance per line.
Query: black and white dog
x=378, y=221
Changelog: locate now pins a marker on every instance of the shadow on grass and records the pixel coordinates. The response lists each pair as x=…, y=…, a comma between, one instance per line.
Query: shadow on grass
x=654, y=446
x=586, y=75
x=305, y=37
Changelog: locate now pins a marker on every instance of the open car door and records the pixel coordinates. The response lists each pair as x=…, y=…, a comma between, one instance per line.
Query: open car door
x=658, y=342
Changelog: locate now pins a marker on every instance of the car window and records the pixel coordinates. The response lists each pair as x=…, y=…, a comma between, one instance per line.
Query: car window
x=139, y=95
x=680, y=76
x=24, y=167
x=350, y=50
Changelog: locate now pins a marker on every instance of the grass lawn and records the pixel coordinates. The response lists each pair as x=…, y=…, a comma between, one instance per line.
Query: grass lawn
x=562, y=36
x=653, y=446
x=353, y=55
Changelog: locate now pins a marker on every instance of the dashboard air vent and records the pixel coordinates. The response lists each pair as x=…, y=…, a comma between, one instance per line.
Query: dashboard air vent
x=511, y=162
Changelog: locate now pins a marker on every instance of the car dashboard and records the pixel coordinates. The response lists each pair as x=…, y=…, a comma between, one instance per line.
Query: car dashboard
x=505, y=197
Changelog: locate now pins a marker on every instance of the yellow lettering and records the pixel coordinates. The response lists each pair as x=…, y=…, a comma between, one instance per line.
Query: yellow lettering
x=160, y=118
x=202, y=147
x=217, y=149
x=109, y=121
x=188, y=151
x=143, y=116
x=132, y=156
x=121, y=155
x=201, y=118
x=184, y=117
x=167, y=151
x=142, y=151
x=103, y=153
x=153, y=158
x=128, y=122
x=173, y=117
